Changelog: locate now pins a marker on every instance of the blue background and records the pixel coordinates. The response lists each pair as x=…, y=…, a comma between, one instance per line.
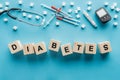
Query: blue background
x=52, y=66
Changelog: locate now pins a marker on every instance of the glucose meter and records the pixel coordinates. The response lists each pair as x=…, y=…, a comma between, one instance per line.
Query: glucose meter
x=103, y=15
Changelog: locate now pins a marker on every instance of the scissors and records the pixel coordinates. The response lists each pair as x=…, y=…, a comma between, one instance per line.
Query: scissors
x=20, y=20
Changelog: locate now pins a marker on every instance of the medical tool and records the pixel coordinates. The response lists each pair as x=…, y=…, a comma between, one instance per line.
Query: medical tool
x=89, y=19
x=103, y=15
x=49, y=21
x=60, y=15
x=54, y=9
x=68, y=20
x=20, y=20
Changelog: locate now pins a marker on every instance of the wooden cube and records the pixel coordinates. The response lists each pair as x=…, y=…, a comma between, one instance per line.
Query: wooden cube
x=78, y=47
x=54, y=45
x=40, y=48
x=28, y=49
x=15, y=47
x=90, y=48
x=66, y=49
x=104, y=47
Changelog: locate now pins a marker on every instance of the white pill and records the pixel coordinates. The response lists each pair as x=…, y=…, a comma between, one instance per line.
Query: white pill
x=63, y=4
x=78, y=8
x=115, y=16
x=115, y=24
x=106, y=4
x=7, y=4
x=44, y=13
x=78, y=16
x=31, y=4
x=1, y=10
x=24, y=14
x=15, y=28
x=112, y=8
x=83, y=26
x=5, y=20
x=89, y=3
x=37, y=17
x=115, y=4
x=20, y=2
x=76, y=11
x=69, y=11
x=71, y=4
x=6, y=8
x=1, y=6
x=89, y=8
x=29, y=16
x=117, y=10
x=57, y=23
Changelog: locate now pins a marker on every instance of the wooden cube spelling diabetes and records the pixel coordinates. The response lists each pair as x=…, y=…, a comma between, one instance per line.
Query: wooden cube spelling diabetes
x=40, y=48
x=66, y=49
x=15, y=47
x=28, y=49
x=104, y=47
x=78, y=47
x=54, y=45
x=90, y=48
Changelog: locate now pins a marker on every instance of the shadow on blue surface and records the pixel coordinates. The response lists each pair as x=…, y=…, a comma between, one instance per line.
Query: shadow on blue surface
x=58, y=56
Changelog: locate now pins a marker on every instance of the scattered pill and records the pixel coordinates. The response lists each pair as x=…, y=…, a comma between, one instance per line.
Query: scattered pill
x=29, y=16
x=69, y=11
x=15, y=28
x=63, y=4
x=76, y=11
x=106, y=4
x=57, y=23
x=5, y=20
x=83, y=26
x=7, y=4
x=78, y=16
x=71, y=4
x=78, y=8
x=20, y=2
x=1, y=10
x=89, y=8
x=112, y=8
x=115, y=24
x=89, y=3
x=117, y=10
x=31, y=4
x=24, y=14
x=44, y=13
x=37, y=17
x=1, y=6
x=115, y=4
x=115, y=17
x=6, y=8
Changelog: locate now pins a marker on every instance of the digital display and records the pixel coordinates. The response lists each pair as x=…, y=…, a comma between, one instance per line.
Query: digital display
x=101, y=13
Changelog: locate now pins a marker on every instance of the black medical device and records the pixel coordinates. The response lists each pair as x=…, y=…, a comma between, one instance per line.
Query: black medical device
x=103, y=15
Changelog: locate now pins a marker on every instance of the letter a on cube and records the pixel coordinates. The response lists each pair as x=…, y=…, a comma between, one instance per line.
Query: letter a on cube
x=40, y=48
